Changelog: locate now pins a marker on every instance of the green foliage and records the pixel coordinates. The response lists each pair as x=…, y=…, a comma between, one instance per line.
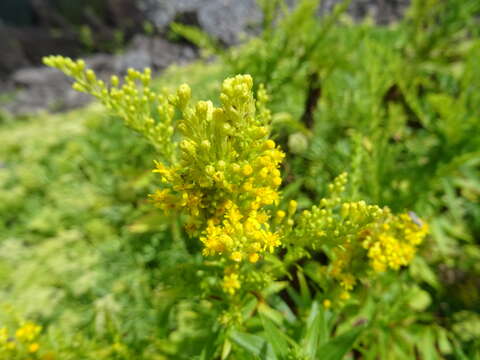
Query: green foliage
x=109, y=276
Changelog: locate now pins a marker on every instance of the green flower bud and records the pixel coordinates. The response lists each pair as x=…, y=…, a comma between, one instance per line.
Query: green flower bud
x=184, y=93
x=114, y=80
x=297, y=143
x=90, y=75
x=206, y=145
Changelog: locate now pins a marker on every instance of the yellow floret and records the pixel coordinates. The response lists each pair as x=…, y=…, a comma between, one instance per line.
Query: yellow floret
x=231, y=283
x=247, y=170
x=33, y=348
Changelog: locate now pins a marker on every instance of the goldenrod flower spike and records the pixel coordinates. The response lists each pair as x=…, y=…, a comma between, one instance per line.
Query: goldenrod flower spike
x=220, y=168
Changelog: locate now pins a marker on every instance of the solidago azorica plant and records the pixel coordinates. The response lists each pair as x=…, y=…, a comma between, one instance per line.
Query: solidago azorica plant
x=219, y=168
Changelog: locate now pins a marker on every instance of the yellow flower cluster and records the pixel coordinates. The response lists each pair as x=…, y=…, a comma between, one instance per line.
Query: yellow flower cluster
x=240, y=235
x=227, y=173
x=393, y=243
x=350, y=233
x=23, y=342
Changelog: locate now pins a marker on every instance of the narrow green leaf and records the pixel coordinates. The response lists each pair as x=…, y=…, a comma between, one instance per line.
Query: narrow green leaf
x=253, y=344
x=275, y=337
x=227, y=348
x=270, y=313
x=426, y=344
x=304, y=290
x=209, y=347
x=312, y=334
x=339, y=346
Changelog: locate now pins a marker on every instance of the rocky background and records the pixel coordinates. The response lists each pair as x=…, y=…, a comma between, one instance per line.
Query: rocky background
x=113, y=35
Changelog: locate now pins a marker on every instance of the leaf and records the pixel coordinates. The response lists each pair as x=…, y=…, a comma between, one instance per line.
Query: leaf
x=198, y=37
x=227, y=348
x=275, y=337
x=253, y=344
x=339, y=346
x=304, y=290
x=272, y=314
x=315, y=327
x=421, y=271
x=207, y=350
x=426, y=344
x=444, y=344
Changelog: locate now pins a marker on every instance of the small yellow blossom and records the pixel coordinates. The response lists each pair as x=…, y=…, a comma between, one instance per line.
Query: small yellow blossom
x=327, y=304
x=237, y=256
x=270, y=144
x=347, y=281
x=33, y=348
x=3, y=335
x=280, y=215
x=247, y=170
x=253, y=258
x=28, y=332
x=231, y=283
x=292, y=207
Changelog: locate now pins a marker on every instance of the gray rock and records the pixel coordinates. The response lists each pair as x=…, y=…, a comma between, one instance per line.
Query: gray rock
x=383, y=11
x=42, y=88
x=225, y=20
x=156, y=53
x=229, y=20
x=32, y=76
x=137, y=59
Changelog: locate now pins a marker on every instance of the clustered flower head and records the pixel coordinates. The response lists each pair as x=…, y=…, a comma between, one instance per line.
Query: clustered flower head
x=218, y=166
x=227, y=174
x=392, y=243
x=357, y=238
x=23, y=340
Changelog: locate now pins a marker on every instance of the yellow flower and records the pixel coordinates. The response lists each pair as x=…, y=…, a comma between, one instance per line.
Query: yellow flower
x=270, y=144
x=347, y=281
x=271, y=241
x=263, y=172
x=28, y=332
x=247, y=170
x=231, y=283
x=32, y=348
x=233, y=214
x=167, y=174
x=276, y=181
x=253, y=258
x=3, y=335
x=292, y=207
x=237, y=256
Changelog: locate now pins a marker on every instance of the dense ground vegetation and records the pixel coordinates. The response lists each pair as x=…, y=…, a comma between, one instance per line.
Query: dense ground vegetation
x=91, y=269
